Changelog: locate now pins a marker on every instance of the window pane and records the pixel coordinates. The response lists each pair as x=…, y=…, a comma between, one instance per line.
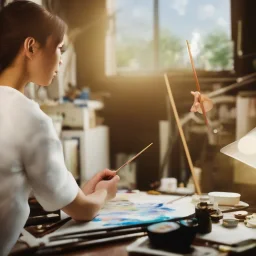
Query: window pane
x=207, y=27
x=134, y=35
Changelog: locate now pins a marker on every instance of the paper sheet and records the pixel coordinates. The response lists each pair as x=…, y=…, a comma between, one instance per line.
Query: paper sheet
x=133, y=209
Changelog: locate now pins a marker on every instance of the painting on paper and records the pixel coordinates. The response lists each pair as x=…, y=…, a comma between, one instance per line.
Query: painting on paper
x=133, y=210
x=126, y=213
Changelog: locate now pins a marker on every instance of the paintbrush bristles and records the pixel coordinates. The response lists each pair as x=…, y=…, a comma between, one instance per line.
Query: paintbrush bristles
x=198, y=190
x=134, y=157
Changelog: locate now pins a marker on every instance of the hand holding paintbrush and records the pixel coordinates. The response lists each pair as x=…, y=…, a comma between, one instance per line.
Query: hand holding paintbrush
x=198, y=98
x=107, y=179
x=199, y=101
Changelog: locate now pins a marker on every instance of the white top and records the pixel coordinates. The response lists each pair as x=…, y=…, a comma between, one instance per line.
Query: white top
x=31, y=157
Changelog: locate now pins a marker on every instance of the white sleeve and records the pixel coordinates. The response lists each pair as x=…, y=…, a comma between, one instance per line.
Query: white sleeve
x=53, y=185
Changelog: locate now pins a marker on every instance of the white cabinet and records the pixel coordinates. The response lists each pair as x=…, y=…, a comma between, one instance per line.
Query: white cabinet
x=93, y=150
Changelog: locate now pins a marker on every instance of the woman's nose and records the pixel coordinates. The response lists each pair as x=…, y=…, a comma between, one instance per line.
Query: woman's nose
x=60, y=63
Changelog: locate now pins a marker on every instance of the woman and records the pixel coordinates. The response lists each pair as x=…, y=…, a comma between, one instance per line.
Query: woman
x=31, y=155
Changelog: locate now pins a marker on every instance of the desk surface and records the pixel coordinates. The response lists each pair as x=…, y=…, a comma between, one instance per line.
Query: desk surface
x=117, y=248
x=113, y=249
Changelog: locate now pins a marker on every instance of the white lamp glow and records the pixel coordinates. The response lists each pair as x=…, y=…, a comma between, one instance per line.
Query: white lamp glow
x=243, y=150
x=247, y=145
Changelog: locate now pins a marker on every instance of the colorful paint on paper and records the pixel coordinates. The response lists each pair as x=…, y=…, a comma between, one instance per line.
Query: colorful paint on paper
x=124, y=213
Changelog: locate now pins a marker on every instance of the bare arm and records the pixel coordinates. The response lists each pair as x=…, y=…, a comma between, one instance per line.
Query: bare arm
x=85, y=207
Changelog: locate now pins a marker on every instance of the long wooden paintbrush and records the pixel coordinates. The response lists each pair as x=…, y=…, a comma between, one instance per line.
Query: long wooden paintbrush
x=197, y=83
x=110, y=177
x=134, y=157
x=176, y=115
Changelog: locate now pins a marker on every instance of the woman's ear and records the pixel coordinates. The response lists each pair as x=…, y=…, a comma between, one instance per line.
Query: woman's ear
x=29, y=47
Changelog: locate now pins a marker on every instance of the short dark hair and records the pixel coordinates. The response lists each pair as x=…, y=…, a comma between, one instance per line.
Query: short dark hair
x=22, y=19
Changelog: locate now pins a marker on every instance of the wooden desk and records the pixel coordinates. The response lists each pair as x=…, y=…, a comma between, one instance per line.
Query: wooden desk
x=113, y=249
x=119, y=249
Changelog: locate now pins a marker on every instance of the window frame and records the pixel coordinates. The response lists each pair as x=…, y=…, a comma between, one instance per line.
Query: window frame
x=157, y=71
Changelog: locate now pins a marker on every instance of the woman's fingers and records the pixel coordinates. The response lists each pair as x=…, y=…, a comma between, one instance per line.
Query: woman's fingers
x=196, y=105
x=198, y=98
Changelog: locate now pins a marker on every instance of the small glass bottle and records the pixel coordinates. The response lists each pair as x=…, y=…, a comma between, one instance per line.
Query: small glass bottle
x=203, y=218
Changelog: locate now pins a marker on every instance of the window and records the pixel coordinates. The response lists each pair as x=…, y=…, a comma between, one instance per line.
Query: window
x=147, y=35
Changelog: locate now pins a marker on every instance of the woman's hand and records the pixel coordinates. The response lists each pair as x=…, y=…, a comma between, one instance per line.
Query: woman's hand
x=90, y=186
x=110, y=186
x=207, y=102
x=93, y=195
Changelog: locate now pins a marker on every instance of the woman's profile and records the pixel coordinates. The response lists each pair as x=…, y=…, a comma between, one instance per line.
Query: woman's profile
x=31, y=156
